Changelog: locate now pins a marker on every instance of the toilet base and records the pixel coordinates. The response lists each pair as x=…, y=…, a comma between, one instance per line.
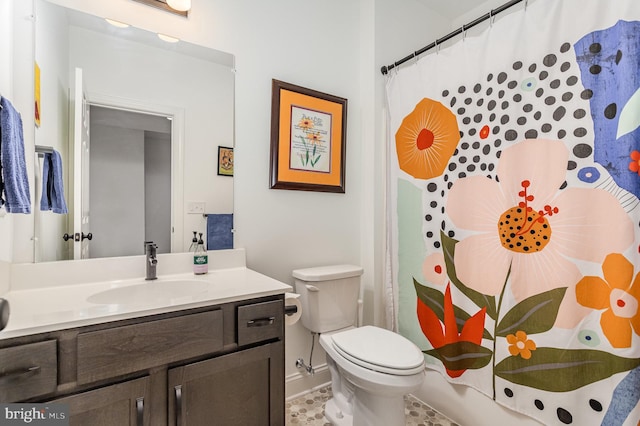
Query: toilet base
x=363, y=411
x=336, y=416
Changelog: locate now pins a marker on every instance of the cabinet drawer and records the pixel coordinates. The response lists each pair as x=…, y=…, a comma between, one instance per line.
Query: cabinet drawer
x=260, y=321
x=127, y=403
x=27, y=371
x=121, y=350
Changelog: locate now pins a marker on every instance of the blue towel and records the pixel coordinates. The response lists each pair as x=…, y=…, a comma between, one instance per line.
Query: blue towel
x=52, y=185
x=219, y=231
x=15, y=181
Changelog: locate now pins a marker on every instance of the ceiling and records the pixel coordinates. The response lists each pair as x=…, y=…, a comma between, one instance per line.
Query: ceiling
x=453, y=9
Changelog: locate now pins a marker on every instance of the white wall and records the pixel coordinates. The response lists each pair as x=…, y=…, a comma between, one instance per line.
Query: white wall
x=286, y=230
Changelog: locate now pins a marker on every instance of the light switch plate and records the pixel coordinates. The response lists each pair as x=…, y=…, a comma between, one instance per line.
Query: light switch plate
x=195, y=207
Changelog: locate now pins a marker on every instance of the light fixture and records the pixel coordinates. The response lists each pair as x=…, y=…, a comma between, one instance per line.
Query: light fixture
x=181, y=5
x=167, y=38
x=116, y=23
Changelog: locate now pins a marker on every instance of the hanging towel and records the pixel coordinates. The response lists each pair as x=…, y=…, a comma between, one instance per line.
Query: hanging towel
x=14, y=192
x=52, y=185
x=219, y=231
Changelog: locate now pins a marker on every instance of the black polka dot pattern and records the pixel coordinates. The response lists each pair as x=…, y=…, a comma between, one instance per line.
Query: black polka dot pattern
x=595, y=405
x=564, y=416
x=522, y=100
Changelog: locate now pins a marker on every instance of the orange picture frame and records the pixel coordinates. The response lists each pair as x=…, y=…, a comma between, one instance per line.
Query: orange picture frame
x=308, y=139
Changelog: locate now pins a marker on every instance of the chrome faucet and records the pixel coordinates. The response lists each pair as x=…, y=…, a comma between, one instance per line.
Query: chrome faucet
x=152, y=261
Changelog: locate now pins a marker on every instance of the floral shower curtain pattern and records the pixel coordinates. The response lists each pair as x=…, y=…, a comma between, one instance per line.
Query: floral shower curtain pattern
x=514, y=212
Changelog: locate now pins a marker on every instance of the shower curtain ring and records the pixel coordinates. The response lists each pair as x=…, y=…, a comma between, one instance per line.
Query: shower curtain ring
x=464, y=33
x=491, y=18
x=526, y=3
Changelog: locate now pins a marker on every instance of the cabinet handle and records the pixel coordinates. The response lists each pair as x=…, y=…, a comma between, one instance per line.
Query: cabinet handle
x=20, y=374
x=261, y=322
x=178, y=391
x=140, y=411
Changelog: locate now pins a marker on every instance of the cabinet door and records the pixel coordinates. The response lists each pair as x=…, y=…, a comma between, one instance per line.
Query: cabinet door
x=122, y=404
x=243, y=388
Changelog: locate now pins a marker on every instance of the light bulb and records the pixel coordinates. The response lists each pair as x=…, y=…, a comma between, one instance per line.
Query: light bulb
x=116, y=23
x=181, y=5
x=167, y=38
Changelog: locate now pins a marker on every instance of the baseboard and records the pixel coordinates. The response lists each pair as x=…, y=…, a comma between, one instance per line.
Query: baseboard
x=299, y=383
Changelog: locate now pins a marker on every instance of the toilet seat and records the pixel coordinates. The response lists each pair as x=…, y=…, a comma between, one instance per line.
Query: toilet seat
x=379, y=350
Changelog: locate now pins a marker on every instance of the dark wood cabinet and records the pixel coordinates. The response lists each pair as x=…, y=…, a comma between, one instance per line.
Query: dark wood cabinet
x=120, y=404
x=28, y=371
x=234, y=389
x=214, y=365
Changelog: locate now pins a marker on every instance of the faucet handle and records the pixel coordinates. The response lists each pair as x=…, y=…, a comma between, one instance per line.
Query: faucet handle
x=149, y=246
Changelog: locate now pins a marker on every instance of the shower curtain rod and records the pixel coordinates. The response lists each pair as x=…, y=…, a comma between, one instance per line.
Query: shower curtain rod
x=491, y=14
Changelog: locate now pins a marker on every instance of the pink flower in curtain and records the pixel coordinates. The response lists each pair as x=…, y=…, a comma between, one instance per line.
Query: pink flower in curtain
x=526, y=223
x=434, y=269
x=619, y=294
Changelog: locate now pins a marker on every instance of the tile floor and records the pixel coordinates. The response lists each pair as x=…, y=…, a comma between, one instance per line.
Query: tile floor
x=308, y=410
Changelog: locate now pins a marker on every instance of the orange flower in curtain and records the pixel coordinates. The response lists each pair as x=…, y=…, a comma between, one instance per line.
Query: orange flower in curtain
x=618, y=295
x=426, y=139
x=432, y=328
x=520, y=344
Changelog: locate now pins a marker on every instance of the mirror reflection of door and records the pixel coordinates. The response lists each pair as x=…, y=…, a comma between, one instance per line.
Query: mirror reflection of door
x=130, y=181
x=80, y=216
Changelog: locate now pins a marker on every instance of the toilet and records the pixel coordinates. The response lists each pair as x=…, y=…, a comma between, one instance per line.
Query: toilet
x=372, y=369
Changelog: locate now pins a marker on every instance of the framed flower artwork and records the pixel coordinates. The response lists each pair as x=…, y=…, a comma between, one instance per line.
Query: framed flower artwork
x=308, y=139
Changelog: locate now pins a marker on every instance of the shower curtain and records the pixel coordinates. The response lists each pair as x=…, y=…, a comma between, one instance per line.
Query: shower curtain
x=514, y=178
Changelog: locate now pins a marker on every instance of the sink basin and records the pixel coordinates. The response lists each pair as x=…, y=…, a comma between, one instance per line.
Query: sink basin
x=150, y=292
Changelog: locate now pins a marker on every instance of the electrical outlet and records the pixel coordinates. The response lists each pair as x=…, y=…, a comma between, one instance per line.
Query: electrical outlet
x=196, y=207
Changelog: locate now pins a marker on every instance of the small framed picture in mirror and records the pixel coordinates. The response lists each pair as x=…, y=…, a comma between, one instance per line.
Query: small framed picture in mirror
x=225, y=161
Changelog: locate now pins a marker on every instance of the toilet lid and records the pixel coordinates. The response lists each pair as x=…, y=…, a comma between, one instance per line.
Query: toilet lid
x=380, y=350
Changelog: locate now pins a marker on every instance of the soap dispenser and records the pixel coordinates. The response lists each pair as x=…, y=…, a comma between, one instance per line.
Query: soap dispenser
x=194, y=243
x=200, y=259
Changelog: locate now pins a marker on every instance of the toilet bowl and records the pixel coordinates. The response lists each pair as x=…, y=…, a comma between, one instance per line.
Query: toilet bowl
x=371, y=371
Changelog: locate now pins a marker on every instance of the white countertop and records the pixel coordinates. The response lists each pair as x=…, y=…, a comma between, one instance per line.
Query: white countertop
x=59, y=307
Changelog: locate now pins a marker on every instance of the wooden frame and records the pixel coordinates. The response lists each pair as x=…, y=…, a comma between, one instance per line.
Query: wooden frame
x=308, y=139
x=162, y=5
x=225, y=161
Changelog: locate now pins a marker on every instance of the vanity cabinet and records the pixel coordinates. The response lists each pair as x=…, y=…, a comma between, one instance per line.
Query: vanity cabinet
x=28, y=370
x=213, y=365
x=201, y=393
x=119, y=404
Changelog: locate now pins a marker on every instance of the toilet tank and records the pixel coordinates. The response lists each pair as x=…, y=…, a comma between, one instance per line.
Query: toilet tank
x=328, y=296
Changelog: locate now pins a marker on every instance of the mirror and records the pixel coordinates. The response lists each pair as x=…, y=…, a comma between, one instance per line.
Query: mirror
x=132, y=72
